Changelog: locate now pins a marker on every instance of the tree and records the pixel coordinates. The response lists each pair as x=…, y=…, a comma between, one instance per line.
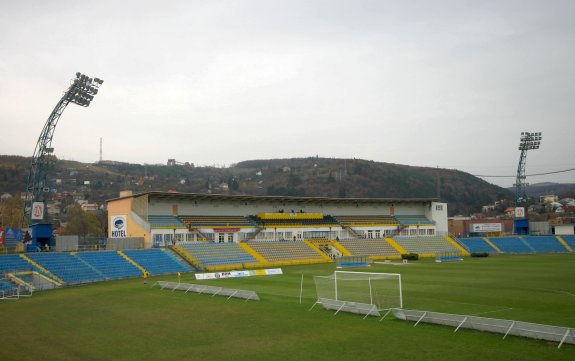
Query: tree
x=12, y=210
x=83, y=223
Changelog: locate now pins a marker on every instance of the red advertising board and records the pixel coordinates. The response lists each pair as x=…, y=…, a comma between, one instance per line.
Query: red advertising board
x=226, y=230
x=1, y=236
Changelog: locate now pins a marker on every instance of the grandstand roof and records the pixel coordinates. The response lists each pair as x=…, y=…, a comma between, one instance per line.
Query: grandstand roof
x=248, y=198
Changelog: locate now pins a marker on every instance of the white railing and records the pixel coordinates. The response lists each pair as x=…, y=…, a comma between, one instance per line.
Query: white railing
x=506, y=327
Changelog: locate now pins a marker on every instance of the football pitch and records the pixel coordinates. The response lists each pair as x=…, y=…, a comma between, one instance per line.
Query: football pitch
x=131, y=320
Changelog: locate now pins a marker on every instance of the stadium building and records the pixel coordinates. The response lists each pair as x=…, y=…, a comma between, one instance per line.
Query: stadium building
x=169, y=218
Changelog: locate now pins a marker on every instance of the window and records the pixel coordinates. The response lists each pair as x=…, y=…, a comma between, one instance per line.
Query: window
x=413, y=232
x=190, y=237
x=221, y=237
x=370, y=234
x=179, y=237
x=430, y=232
x=377, y=234
x=439, y=207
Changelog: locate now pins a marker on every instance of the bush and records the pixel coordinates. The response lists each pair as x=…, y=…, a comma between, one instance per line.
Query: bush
x=410, y=256
x=480, y=254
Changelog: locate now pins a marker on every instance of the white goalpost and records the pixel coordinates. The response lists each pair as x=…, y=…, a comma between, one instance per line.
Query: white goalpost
x=365, y=293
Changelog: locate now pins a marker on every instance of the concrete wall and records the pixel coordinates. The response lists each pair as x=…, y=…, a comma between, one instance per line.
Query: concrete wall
x=123, y=207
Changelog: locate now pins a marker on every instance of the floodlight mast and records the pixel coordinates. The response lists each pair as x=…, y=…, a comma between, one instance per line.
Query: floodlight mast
x=80, y=92
x=527, y=142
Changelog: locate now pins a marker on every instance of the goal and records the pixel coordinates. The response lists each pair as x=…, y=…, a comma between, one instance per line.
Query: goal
x=359, y=292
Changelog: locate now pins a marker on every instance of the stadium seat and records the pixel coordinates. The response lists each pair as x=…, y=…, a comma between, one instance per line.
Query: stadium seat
x=369, y=247
x=425, y=245
x=476, y=245
x=111, y=264
x=158, y=261
x=511, y=245
x=545, y=244
x=218, y=254
x=282, y=251
x=67, y=267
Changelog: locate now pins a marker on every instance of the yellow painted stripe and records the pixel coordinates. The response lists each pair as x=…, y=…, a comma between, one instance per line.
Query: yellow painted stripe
x=144, y=271
x=565, y=244
x=492, y=244
x=457, y=245
x=396, y=245
x=20, y=281
x=42, y=268
x=187, y=256
x=253, y=252
x=341, y=248
x=318, y=251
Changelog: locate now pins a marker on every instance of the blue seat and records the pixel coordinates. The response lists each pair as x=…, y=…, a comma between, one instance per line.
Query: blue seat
x=511, y=245
x=476, y=245
x=158, y=261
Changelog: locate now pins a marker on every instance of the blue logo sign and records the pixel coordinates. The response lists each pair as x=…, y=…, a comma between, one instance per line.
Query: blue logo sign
x=119, y=223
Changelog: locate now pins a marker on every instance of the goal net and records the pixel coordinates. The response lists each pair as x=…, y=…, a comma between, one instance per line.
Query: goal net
x=366, y=291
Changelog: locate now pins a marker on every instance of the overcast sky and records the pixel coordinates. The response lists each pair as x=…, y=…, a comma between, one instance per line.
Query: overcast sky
x=424, y=83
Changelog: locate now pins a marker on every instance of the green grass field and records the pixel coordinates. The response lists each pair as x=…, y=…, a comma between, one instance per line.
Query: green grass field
x=129, y=320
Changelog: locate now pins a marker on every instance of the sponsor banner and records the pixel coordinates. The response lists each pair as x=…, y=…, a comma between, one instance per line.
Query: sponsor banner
x=486, y=227
x=236, y=274
x=519, y=212
x=119, y=226
x=12, y=234
x=37, y=211
x=226, y=230
x=1, y=236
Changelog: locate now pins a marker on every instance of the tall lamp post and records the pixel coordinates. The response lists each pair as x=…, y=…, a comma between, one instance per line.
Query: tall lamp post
x=80, y=92
x=528, y=141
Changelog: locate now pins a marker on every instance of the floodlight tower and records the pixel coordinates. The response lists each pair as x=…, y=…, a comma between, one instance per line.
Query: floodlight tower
x=528, y=141
x=81, y=92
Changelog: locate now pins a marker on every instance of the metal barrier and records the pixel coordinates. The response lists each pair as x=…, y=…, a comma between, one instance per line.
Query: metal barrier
x=506, y=327
x=210, y=290
x=346, y=306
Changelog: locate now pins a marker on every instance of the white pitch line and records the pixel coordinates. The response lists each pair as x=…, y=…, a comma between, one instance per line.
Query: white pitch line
x=556, y=291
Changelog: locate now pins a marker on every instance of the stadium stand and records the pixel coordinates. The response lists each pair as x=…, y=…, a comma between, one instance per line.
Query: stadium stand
x=413, y=219
x=545, y=244
x=6, y=286
x=570, y=240
x=425, y=245
x=511, y=245
x=286, y=251
x=111, y=264
x=380, y=220
x=13, y=262
x=67, y=267
x=165, y=222
x=476, y=245
x=218, y=254
x=158, y=261
x=369, y=247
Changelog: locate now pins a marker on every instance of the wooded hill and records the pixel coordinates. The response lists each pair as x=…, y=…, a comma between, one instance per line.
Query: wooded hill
x=313, y=177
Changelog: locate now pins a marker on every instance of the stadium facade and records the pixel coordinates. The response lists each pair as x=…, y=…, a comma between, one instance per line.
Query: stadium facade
x=167, y=218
